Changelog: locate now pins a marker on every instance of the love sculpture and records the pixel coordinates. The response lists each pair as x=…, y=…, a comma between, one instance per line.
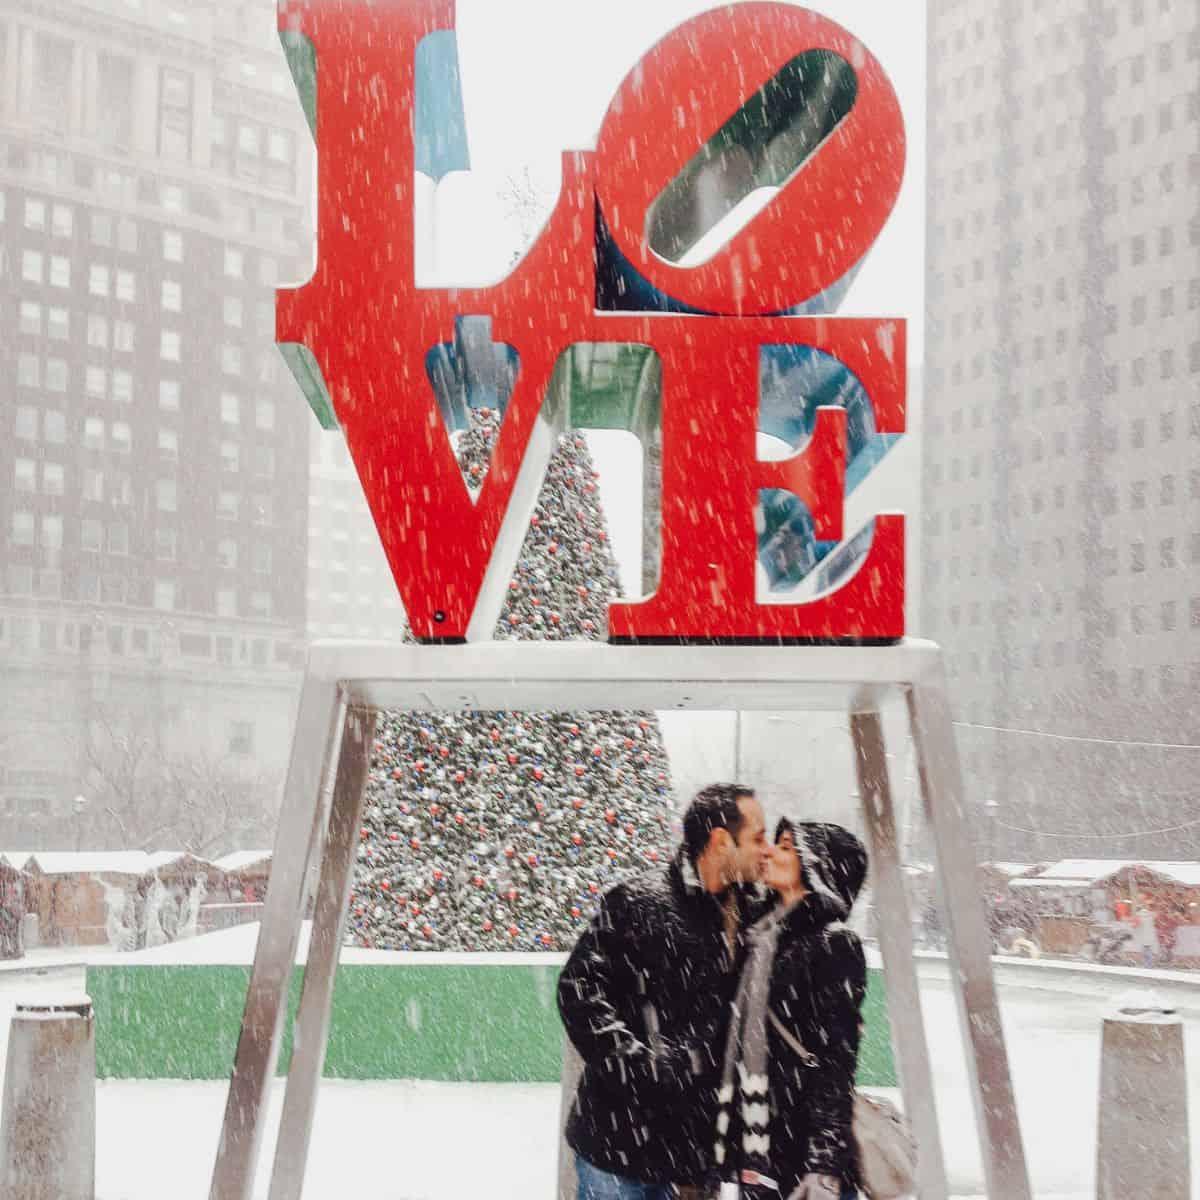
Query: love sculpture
x=715, y=348
x=804, y=94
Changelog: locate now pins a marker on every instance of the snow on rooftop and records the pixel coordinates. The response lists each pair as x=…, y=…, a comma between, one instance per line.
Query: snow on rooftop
x=95, y=862
x=240, y=859
x=1089, y=870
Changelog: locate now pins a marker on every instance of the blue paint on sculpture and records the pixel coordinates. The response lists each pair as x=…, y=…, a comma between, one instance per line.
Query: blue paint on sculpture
x=439, y=125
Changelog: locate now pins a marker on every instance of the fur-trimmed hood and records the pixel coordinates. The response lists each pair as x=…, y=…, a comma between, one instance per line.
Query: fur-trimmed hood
x=833, y=864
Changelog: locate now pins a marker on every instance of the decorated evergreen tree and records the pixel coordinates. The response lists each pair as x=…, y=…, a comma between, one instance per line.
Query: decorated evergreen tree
x=499, y=830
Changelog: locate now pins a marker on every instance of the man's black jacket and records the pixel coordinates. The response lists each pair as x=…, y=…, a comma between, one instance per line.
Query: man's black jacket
x=645, y=998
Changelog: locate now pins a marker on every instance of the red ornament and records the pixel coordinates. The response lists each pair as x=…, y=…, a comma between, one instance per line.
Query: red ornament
x=593, y=887
x=478, y=881
x=416, y=909
x=555, y=618
x=397, y=773
x=459, y=776
x=459, y=818
x=611, y=852
x=532, y=860
x=435, y=809
x=553, y=548
x=575, y=911
x=597, y=751
x=366, y=833
x=427, y=930
x=629, y=743
x=509, y=852
x=609, y=815
x=578, y=801
x=654, y=856
x=415, y=843
x=535, y=519
x=512, y=893
x=487, y=927
x=512, y=931
x=437, y=874
x=579, y=770
x=538, y=773
x=629, y=830
x=545, y=939
x=385, y=885
x=512, y=759
x=444, y=751
x=577, y=839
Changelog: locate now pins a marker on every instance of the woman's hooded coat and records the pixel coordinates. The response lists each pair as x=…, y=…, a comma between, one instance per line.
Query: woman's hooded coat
x=787, y=1094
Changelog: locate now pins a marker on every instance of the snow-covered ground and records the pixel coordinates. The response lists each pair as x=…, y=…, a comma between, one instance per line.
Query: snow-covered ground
x=441, y=1141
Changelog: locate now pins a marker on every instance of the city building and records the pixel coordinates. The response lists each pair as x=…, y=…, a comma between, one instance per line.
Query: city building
x=155, y=183
x=351, y=592
x=1061, y=503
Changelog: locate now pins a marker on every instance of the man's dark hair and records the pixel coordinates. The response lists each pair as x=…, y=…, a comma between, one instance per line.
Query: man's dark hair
x=714, y=807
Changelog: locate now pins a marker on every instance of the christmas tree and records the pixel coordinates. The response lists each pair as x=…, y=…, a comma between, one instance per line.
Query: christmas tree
x=499, y=830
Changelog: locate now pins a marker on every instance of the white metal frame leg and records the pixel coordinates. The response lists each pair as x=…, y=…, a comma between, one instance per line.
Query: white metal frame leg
x=971, y=977
x=895, y=943
x=299, y=840
x=311, y=1029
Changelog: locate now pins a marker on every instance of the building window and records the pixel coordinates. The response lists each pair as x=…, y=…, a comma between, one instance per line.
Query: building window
x=264, y=413
x=93, y=485
x=26, y=423
x=172, y=245
x=57, y=377
x=168, y=395
x=226, y=602
x=123, y=336
x=166, y=495
x=234, y=262
x=62, y=222
x=175, y=114
x=1166, y=489
x=22, y=529
x=168, y=444
x=91, y=535
x=93, y=433
x=31, y=266
x=53, y=479
x=29, y=370
x=230, y=457
x=230, y=410
x=1137, y=556
x=127, y=235
x=168, y=346
x=164, y=595
x=261, y=559
x=227, y=553
x=126, y=286
x=60, y=271
x=102, y=229
x=231, y=360
x=122, y=437
x=35, y=214
x=96, y=382
x=260, y=605
x=172, y=295
x=118, y=538
x=1166, y=552
x=227, y=505
x=25, y=475
x=54, y=426
x=31, y=318
x=97, y=331
x=231, y=311
x=164, y=545
x=98, y=279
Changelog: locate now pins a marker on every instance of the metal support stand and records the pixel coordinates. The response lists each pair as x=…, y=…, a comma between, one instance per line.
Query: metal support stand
x=347, y=682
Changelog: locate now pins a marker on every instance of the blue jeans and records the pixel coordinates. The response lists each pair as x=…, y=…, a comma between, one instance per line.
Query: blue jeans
x=595, y=1184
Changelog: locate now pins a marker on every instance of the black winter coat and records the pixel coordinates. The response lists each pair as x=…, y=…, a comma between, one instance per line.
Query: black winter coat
x=644, y=998
x=818, y=982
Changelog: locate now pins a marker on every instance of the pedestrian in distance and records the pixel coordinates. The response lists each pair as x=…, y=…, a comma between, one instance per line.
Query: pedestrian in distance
x=645, y=998
x=785, y=1127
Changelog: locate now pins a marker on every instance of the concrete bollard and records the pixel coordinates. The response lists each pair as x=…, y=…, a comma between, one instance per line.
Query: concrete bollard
x=1142, y=1138
x=48, y=1129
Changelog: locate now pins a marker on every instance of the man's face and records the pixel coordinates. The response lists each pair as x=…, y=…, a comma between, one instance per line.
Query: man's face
x=749, y=849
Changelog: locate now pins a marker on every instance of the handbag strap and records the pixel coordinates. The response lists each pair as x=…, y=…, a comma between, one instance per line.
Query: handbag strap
x=806, y=1056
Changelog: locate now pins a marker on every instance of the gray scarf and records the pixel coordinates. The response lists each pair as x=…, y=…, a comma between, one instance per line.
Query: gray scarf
x=746, y=1050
